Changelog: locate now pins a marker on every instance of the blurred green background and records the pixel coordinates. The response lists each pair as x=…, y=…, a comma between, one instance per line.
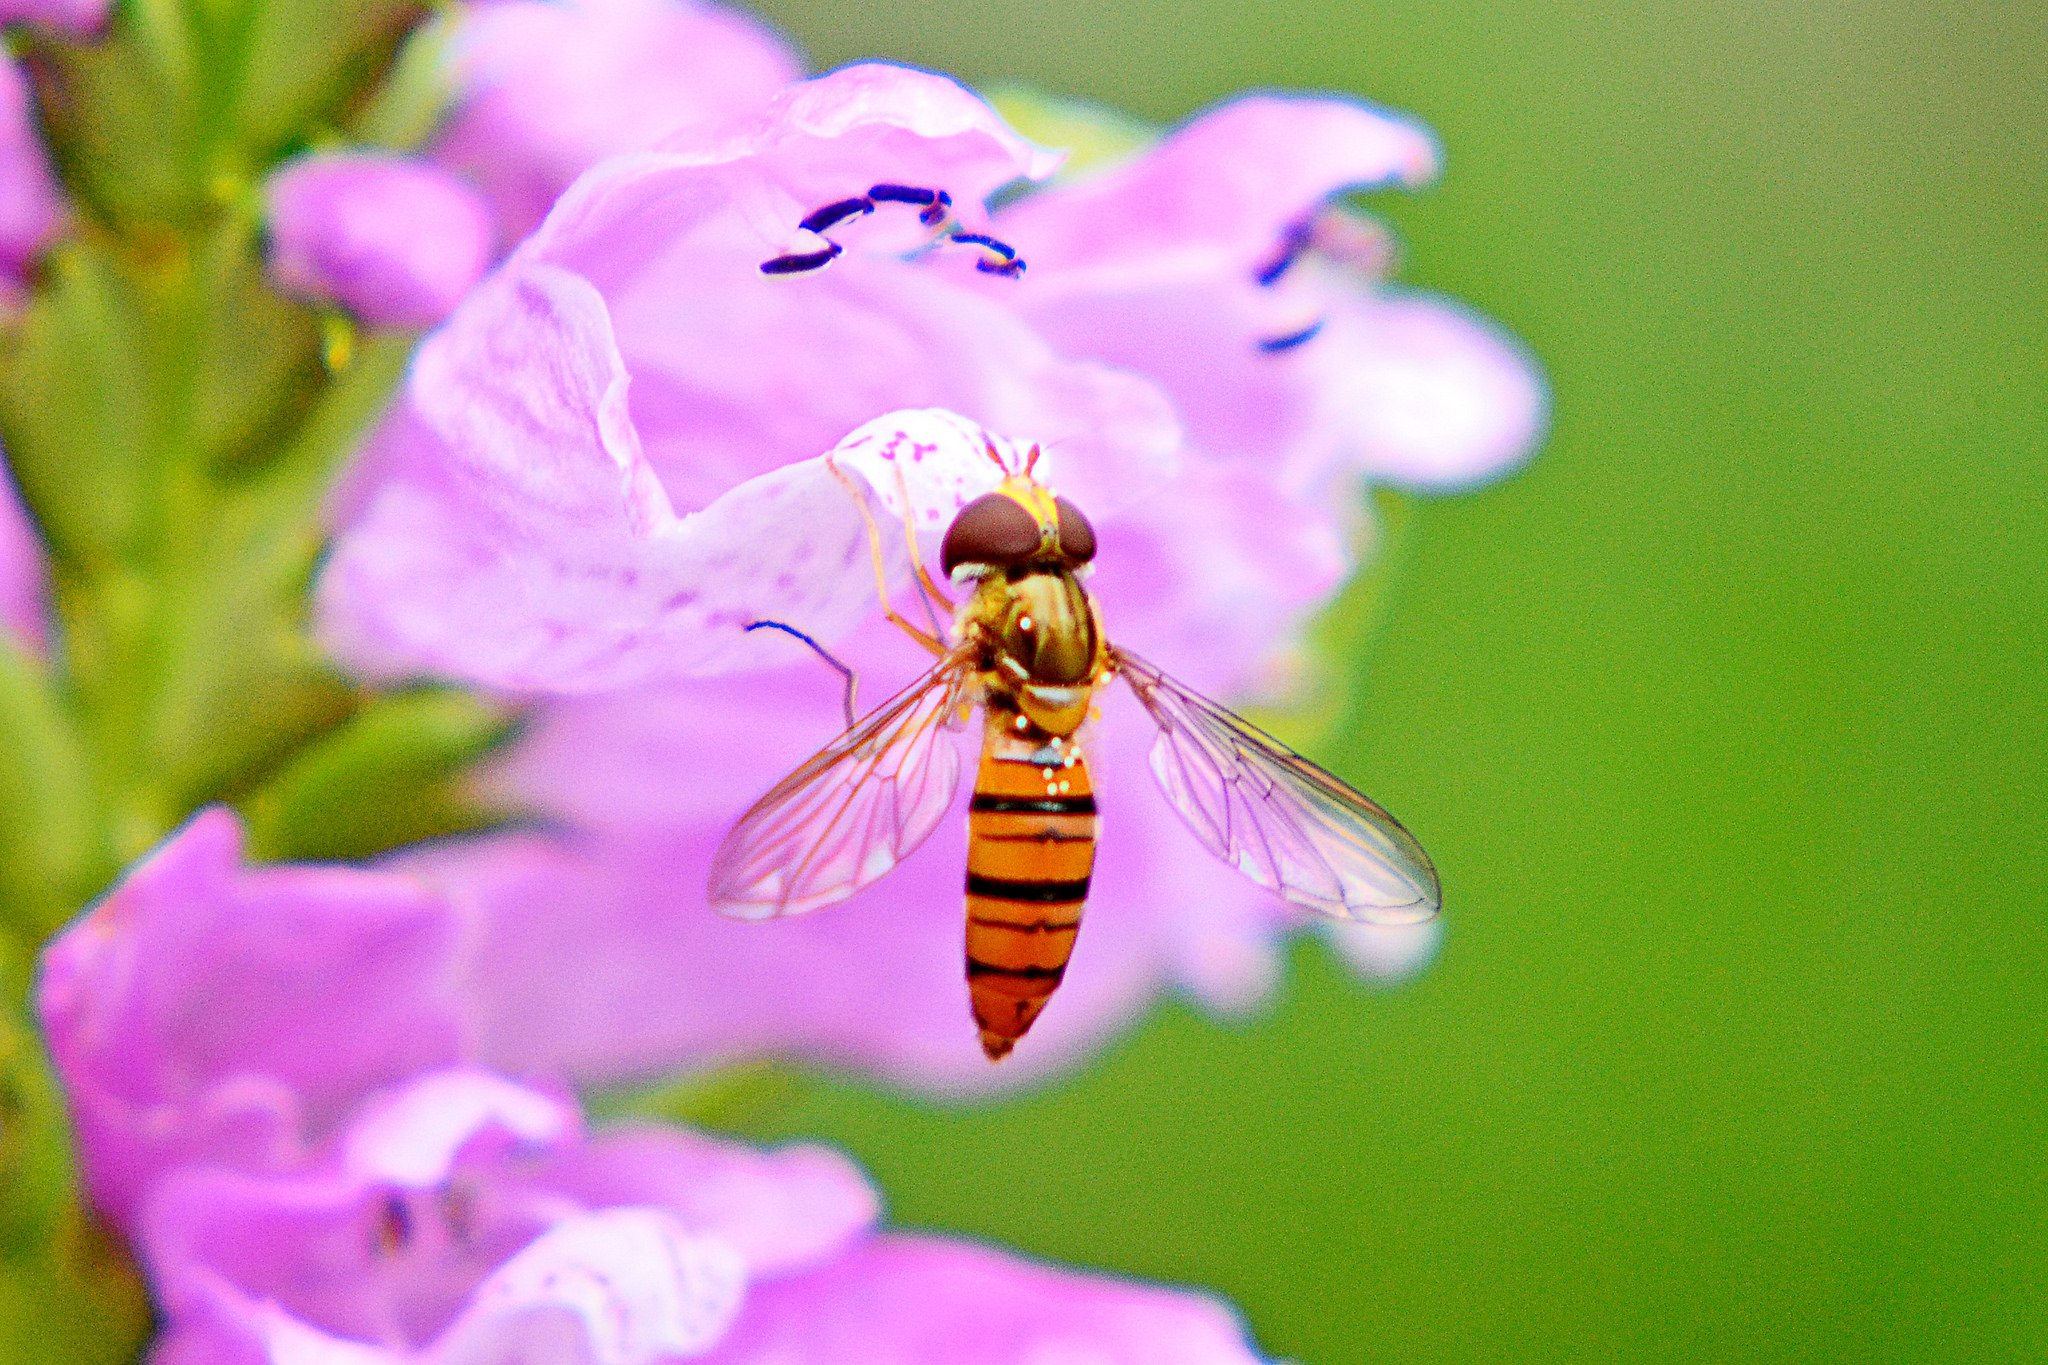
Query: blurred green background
x=1726, y=721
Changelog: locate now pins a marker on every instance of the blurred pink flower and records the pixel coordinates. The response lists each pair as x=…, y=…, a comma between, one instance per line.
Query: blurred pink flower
x=207, y=1011
x=270, y=1100
x=396, y=241
x=547, y=88
x=22, y=582
x=606, y=467
x=80, y=17
x=32, y=206
x=466, y=1219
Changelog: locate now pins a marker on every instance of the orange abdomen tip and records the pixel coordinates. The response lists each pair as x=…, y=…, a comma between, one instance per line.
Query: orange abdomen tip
x=1030, y=852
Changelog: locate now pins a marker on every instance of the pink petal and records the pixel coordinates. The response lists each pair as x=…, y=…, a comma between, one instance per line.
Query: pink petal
x=942, y=462
x=926, y=1301
x=1421, y=392
x=203, y=1011
x=1214, y=580
x=464, y=1218
x=817, y=142
x=547, y=89
x=414, y=1137
x=615, y=1287
x=1217, y=194
x=782, y=1211
x=393, y=240
x=549, y=556
x=32, y=207
x=22, y=586
x=1197, y=338
x=535, y=523
x=526, y=540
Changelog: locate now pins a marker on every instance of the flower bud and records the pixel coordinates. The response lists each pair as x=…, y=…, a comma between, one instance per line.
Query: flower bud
x=393, y=240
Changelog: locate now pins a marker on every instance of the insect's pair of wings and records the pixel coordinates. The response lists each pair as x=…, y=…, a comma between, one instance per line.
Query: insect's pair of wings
x=869, y=798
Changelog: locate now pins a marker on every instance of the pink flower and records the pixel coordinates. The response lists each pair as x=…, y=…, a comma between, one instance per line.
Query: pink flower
x=31, y=204
x=607, y=466
x=395, y=241
x=462, y=1214
x=466, y=1219
x=547, y=88
x=21, y=569
x=205, y=1011
x=270, y=1101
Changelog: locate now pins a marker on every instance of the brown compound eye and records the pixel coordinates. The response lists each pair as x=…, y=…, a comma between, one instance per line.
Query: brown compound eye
x=1077, y=537
x=993, y=529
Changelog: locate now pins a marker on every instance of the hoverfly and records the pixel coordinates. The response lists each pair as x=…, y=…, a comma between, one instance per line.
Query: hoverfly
x=1028, y=649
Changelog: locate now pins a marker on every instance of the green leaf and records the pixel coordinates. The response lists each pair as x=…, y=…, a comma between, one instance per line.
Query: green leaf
x=75, y=410
x=35, y=1151
x=52, y=855
x=255, y=357
x=122, y=117
x=404, y=111
x=1093, y=135
x=87, y=1308
x=395, y=773
x=67, y=1292
x=313, y=63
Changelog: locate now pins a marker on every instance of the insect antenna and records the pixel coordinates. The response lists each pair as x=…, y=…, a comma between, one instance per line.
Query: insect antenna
x=852, y=678
x=988, y=448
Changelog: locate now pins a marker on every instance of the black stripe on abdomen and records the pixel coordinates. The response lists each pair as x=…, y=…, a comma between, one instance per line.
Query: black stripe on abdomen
x=977, y=967
x=1033, y=892
x=1019, y=805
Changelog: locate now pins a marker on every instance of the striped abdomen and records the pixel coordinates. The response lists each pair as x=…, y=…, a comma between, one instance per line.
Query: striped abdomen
x=1030, y=849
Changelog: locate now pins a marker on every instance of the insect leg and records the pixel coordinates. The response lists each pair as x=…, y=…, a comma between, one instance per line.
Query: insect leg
x=860, y=503
x=852, y=678
x=928, y=591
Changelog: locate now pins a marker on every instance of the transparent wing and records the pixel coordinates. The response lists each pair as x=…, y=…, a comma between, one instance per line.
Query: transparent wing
x=1275, y=816
x=854, y=811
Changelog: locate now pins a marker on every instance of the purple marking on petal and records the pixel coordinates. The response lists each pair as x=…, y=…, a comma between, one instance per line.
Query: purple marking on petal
x=1287, y=342
x=906, y=194
x=1002, y=249
x=1293, y=242
x=817, y=220
x=799, y=262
